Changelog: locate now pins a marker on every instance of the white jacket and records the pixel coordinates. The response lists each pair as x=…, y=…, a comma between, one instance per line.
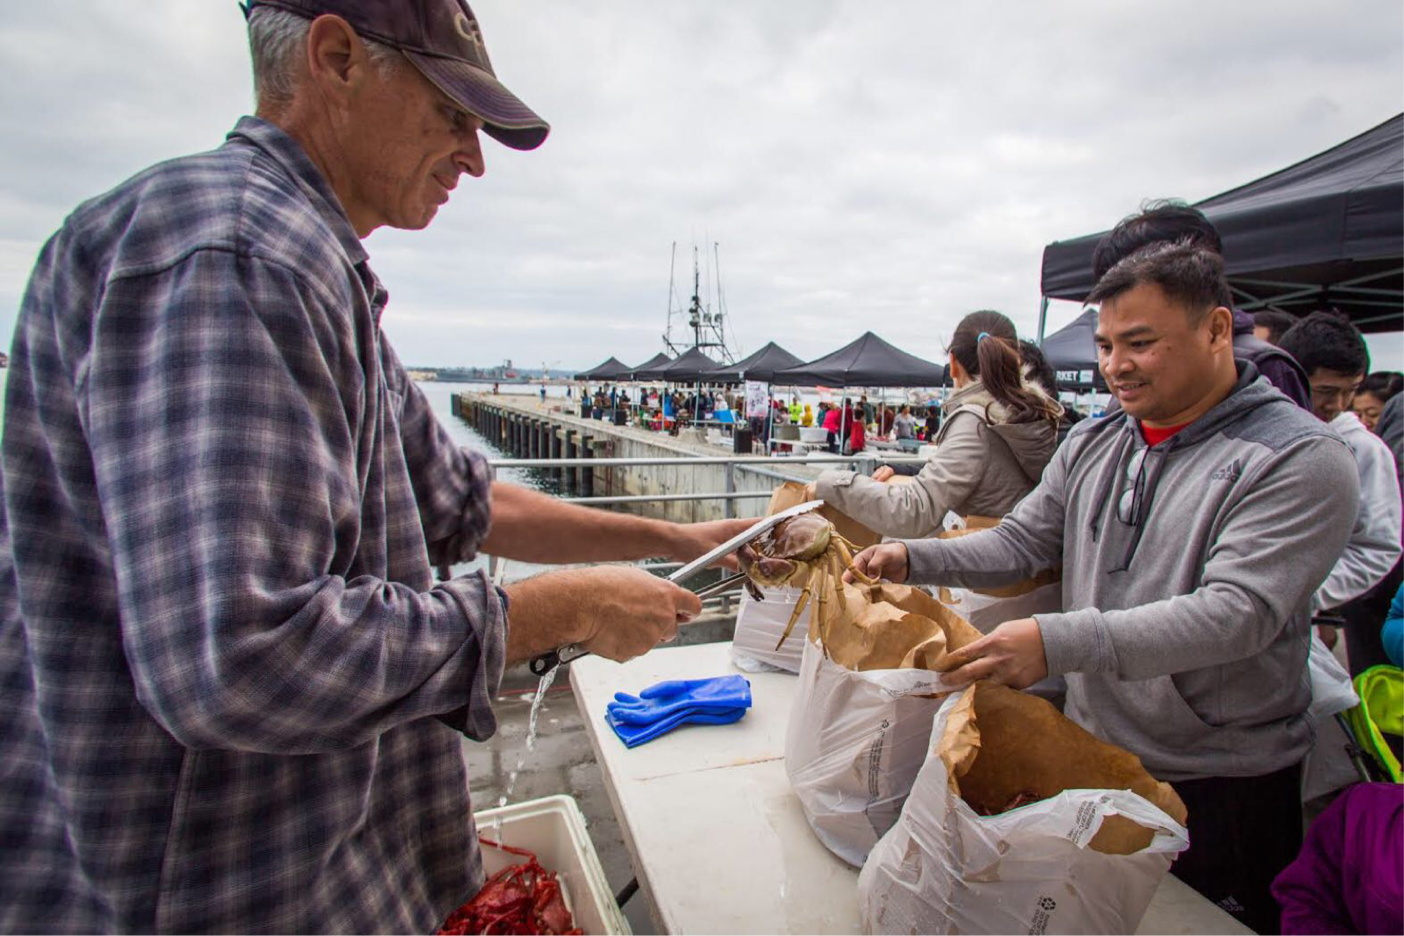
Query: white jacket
x=1374, y=543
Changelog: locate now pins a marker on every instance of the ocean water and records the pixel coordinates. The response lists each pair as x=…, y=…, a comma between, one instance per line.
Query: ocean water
x=439, y=394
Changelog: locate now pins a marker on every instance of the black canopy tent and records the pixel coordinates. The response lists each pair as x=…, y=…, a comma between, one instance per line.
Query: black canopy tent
x=1325, y=232
x=691, y=365
x=761, y=365
x=649, y=370
x=866, y=362
x=612, y=369
x=1072, y=352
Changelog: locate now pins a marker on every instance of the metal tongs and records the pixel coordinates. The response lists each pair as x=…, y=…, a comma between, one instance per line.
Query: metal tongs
x=543, y=663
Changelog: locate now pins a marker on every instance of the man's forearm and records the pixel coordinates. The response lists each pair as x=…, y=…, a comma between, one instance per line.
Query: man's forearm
x=532, y=527
x=986, y=559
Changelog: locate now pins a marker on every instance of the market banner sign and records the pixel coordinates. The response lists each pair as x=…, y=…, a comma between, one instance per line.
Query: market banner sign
x=757, y=399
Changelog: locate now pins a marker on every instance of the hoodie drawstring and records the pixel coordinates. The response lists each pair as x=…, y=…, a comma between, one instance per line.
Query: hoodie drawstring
x=1110, y=483
x=1141, y=511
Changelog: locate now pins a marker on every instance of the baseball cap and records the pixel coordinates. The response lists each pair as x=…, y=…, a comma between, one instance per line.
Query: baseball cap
x=441, y=38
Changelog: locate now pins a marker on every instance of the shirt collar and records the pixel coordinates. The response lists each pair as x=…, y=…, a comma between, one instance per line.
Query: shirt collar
x=293, y=160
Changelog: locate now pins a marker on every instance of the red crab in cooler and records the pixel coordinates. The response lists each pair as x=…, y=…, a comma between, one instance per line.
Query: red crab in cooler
x=521, y=898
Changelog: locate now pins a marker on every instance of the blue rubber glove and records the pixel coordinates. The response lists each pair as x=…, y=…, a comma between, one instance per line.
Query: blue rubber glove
x=633, y=734
x=662, y=699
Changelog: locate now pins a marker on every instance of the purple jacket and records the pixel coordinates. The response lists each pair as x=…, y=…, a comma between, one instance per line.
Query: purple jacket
x=1350, y=873
x=1279, y=367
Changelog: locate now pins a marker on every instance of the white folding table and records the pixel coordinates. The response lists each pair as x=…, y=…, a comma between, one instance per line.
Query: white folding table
x=717, y=838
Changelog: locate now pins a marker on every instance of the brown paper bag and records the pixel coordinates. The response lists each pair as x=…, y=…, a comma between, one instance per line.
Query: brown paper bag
x=1000, y=743
x=893, y=627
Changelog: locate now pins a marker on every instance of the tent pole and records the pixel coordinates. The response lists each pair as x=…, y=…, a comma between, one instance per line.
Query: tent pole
x=1042, y=319
x=843, y=418
x=769, y=416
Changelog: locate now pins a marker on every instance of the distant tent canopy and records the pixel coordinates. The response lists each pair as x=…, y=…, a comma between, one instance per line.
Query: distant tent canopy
x=691, y=365
x=649, y=370
x=867, y=362
x=1325, y=232
x=1072, y=352
x=761, y=366
x=612, y=369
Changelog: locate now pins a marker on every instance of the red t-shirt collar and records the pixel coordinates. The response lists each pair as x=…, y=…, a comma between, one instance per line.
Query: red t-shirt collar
x=1154, y=436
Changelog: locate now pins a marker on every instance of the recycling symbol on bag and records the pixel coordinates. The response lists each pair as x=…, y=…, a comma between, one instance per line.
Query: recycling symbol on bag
x=1047, y=903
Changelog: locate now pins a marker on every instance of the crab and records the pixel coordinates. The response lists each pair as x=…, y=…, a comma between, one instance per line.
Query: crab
x=805, y=551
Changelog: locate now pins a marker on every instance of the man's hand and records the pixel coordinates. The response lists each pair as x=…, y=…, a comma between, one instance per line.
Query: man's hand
x=883, y=473
x=628, y=611
x=617, y=612
x=691, y=540
x=884, y=561
x=1011, y=654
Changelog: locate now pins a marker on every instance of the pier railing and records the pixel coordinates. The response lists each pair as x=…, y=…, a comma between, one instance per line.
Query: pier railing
x=760, y=465
x=752, y=464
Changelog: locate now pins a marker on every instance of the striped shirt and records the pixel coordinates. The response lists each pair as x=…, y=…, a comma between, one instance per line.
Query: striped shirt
x=234, y=692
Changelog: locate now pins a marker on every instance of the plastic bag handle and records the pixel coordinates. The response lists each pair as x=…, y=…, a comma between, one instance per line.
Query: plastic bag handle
x=1170, y=836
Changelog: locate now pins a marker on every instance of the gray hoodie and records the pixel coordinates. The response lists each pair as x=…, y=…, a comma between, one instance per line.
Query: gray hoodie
x=983, y=465
x=1188, y=571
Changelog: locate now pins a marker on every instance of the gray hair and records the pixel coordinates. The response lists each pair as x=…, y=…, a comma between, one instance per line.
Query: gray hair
x=276, y=41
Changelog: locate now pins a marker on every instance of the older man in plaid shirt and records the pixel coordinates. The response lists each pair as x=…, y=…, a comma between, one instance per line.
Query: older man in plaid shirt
x=231, y=683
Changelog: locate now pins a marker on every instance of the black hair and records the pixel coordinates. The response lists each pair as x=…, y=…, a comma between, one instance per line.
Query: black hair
x=987, y=346
x=1188, y=274
x=1383, y=384
x=1038, y=368
x=1159, y=221
x=1327, y=341
x=1276, y=322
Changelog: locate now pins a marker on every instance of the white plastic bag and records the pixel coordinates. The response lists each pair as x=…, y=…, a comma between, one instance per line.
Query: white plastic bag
x=759, y=625
x=1331, y=688
x=945, y=869
x=855, y=743
x=1327, y=766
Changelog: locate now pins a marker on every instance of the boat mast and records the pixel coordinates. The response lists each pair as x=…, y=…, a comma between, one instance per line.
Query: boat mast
x=708, y=327
x=668, y=332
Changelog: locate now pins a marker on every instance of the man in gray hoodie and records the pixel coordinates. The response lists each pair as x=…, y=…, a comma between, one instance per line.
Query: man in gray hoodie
x=1192, y=528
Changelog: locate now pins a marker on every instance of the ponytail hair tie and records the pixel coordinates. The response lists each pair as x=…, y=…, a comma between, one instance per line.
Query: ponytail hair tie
x=981, y=337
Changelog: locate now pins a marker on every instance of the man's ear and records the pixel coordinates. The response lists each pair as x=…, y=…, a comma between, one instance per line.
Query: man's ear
x=333, y=52
x=1221, y=327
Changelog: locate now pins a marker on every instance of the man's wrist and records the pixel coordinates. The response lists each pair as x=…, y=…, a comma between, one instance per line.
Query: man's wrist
x=1071, y=641
x=924, y=561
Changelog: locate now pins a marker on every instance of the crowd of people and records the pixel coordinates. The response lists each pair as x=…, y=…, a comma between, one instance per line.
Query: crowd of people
x=848, y=425
x=236, y=693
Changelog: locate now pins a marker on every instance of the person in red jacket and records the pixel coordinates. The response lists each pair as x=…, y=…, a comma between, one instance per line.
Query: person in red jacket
x=832, y=422
x=856, y=432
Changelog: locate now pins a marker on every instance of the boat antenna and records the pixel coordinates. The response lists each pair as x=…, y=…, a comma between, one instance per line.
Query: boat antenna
x=672, y=294
x=721, y=318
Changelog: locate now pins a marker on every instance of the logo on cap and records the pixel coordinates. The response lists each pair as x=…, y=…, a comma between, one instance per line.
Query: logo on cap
x=469, y=30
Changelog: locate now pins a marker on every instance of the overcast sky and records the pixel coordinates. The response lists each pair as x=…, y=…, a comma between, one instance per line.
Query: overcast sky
x=877, y=165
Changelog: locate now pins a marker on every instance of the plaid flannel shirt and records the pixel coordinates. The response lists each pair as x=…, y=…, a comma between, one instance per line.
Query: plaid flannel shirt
x=227, y=669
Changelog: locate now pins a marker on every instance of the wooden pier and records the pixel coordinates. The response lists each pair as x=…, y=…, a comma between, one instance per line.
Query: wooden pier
x=524, y=427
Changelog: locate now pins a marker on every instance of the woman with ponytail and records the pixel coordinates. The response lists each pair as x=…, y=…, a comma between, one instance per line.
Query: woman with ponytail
x=999, y=431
